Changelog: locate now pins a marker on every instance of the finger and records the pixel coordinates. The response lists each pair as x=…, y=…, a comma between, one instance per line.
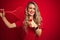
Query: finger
x=0, y=14
x=1, y=10
x=3, y=13
x=28, y=22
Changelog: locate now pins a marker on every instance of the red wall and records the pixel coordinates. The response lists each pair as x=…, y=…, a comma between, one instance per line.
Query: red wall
x=49, y=12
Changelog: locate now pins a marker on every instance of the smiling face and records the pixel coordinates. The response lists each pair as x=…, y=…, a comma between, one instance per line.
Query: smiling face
x=31, y=9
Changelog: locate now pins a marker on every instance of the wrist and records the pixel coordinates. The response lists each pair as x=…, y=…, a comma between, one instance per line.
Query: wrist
x=36, y=28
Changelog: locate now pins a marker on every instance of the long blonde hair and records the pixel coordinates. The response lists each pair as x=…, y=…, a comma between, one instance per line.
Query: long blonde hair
x=37, y=17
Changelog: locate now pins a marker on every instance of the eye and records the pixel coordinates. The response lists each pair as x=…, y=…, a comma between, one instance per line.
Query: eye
x=30, y=8
x=34, y=8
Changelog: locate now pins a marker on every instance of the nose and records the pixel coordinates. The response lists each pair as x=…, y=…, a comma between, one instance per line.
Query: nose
x=32, y=10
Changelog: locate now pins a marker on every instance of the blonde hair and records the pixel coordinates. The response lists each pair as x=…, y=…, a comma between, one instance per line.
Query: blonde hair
x=37, y=17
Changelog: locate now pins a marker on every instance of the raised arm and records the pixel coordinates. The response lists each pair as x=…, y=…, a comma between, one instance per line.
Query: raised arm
x=8, y=24
x=37, y=29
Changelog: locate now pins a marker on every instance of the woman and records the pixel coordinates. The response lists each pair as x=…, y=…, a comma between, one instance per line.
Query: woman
x=31, y=23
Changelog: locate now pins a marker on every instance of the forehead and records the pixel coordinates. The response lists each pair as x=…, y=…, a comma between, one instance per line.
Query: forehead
x=31, y=5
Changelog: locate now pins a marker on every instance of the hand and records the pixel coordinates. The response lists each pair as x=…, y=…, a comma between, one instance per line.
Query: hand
x=2, y=13
x=32, y=24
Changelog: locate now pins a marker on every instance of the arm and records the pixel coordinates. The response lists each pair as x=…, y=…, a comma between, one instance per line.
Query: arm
x=8, y=24
x=38, y=31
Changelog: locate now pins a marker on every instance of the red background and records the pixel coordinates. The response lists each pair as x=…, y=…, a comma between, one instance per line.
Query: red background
x=49, y=12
